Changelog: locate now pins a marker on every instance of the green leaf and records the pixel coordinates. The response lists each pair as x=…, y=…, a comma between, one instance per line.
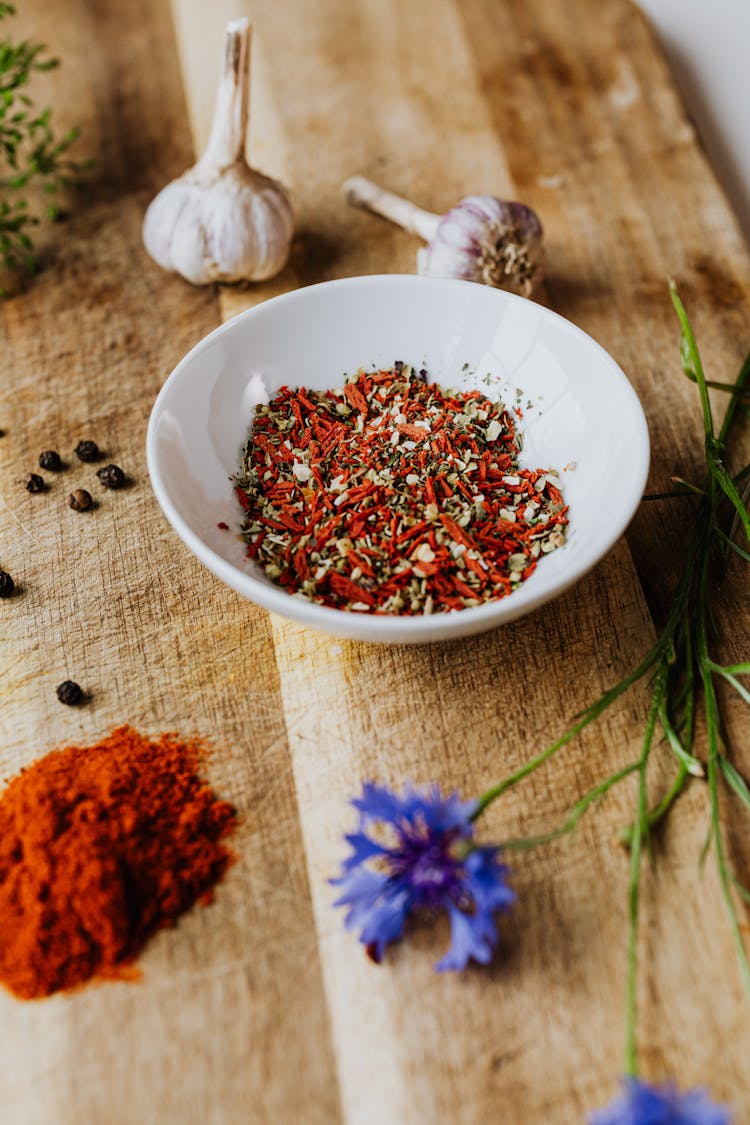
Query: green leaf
x=735, y=780
x=741, y=691
x=691, y=764
x=743, y=892
x=691, y=360
x=742, y=381
x=728, y=488
x=735, y=546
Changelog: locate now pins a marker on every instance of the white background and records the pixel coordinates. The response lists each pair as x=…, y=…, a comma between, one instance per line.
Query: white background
x=707, y=44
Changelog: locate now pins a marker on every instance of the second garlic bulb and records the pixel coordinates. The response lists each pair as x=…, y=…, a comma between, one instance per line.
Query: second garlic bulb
x=222, y=220
x=488, y=240
x=482, y=238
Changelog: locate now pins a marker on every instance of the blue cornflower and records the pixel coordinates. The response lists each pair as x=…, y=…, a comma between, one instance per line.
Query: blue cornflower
x=641, y=1104
x=422, y=858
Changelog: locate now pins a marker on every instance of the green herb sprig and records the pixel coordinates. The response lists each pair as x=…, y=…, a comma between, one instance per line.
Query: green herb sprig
x=681, y=674
x=31, y=156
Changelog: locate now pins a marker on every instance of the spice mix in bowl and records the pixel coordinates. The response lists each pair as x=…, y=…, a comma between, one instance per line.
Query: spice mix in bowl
x=397, y=458
x=389, y=496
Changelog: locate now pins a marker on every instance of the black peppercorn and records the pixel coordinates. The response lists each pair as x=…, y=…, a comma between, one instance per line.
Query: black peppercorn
x=7, y=585
x=80, y=500
x=34, y=483
x=87, y=451
x=111, y=476
x=69, y=692
x=50, y=460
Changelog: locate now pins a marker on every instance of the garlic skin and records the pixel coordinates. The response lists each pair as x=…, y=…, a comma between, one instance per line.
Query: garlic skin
x=487, y=240
x=235, y=225
x=222, y=220
x=481, y=239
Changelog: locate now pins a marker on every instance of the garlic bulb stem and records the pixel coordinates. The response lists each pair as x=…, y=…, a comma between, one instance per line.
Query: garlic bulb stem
x=226, y=142
x=363, y=193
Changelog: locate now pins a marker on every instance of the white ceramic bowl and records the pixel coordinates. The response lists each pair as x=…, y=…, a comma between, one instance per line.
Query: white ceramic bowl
x=581, y=409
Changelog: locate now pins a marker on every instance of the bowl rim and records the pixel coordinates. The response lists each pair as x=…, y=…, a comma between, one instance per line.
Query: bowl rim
x=383, y=628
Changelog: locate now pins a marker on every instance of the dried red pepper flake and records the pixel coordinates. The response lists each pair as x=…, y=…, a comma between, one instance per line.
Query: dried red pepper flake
x=356, y=398
x=391, y=496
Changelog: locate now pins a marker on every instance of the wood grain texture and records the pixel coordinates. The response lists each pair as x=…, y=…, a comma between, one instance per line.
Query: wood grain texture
x=261, y=1008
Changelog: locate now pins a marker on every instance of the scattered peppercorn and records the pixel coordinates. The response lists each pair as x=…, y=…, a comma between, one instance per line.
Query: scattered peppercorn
x=69, y=693
x=34, y=483
x=111, y=476
x=87, y=451
x=80, y=500
x=50, y=460
x=7, y=585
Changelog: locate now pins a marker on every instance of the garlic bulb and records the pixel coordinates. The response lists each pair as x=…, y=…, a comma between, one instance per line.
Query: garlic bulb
x=222, y=220
x=481, y=239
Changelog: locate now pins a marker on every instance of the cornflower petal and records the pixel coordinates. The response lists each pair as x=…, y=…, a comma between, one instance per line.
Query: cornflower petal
x=470, y=937
x=378, y=907
x=378, y=803
x=430, y=864
x=363, y=848
x=385, y=923
x=361, y=890
x=642, y=1104
x=486, y=880
x=442, y=814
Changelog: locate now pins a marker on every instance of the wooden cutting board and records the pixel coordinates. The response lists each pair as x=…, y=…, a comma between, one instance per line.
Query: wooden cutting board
x=260, y=1008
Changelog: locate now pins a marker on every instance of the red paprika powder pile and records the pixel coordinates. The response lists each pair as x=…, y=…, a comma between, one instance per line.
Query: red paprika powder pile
x=100, y=846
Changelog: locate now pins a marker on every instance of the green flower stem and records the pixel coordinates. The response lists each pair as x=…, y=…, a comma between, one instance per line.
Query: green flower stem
x=728, y=675
x=581, y=807
x=686, y=484
x=660, y=810
x=684, y=757
x=691, y=364
x=735, y=780
x=681, y=671
x=732, y=546
x=743, y=892
x=593, y=712
x=640, y=832
x=731, y=388
x=661, y=652
x=726, y=877
x=718, y=478
x=727, y=485
x=742, y=381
